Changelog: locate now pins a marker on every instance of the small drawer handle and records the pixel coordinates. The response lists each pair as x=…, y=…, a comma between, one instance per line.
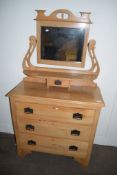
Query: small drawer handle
x=75, y=132
x=31, y=142
x=30, y=127
x=77, y=116
x=58, y=82
x=73, y=148
x=28, y=110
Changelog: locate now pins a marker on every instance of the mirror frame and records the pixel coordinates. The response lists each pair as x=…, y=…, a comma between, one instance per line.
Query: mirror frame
x=58, y=19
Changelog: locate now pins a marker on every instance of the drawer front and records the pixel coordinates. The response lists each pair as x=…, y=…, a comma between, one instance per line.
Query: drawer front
x=54, y=145
x=58, y=82
x=53, y=129
x=55, y=113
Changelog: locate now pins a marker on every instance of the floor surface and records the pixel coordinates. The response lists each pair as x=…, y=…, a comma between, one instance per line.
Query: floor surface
x=103, y=161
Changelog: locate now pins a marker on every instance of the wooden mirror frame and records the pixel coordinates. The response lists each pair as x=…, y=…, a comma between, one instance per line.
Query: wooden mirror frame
x=68, y=77
x=62, y=18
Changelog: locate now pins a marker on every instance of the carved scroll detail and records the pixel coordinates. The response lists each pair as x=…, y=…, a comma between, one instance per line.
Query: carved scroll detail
x=63, y=15
x=95, y=65
x=32, y=45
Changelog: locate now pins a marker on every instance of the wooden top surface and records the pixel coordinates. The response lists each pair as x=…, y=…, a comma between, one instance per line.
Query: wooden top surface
x=88, y=96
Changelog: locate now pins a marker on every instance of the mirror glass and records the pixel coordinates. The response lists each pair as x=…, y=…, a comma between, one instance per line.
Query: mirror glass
x=62, y=43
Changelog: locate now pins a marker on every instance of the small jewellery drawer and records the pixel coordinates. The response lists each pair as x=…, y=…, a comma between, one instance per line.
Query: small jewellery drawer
x=54, y=145
x=58, y=82
x=55, y=113
x=53, y=129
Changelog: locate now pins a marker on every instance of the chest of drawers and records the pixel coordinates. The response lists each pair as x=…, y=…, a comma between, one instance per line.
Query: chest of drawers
x=55, y=120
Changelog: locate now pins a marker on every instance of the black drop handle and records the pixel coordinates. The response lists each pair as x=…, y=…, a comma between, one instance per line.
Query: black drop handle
x=77, y=116
x=31, y=142
x=58, y=82
x=30, y=127
x=75, y=132
x=73, y=148
x=28, y=110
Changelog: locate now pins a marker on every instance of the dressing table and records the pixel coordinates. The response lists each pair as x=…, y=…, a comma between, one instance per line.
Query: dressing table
x=55, y=109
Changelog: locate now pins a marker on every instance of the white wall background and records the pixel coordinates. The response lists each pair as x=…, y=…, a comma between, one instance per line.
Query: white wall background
x=16, y=25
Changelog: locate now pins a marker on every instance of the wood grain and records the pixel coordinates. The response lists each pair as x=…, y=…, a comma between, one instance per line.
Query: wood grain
x=51, y=119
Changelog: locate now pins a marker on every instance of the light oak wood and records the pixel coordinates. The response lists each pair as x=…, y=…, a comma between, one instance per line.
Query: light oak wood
x=52, y=119
x=57, y=110
x=55, y=129
x=84, y=16
x=81, y=97
x=62, y=113
x=85, y=77
x=62, y=18
x=63, y=82
x=54, y=145
x=21, y=151
x=69, y=77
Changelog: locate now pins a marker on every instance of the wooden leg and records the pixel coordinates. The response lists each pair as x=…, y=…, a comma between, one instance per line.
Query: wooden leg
x=22, y=152
x=84, y=162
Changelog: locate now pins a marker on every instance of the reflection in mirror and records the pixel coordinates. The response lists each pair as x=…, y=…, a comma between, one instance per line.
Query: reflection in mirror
x=62, y=43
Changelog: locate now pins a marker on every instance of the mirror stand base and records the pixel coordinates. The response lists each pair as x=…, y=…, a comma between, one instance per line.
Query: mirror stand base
x=61, y=82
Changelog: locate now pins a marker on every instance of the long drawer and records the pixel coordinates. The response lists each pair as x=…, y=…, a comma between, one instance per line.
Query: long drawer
x=55, y=113
x=54, y=129
x=54, y=145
